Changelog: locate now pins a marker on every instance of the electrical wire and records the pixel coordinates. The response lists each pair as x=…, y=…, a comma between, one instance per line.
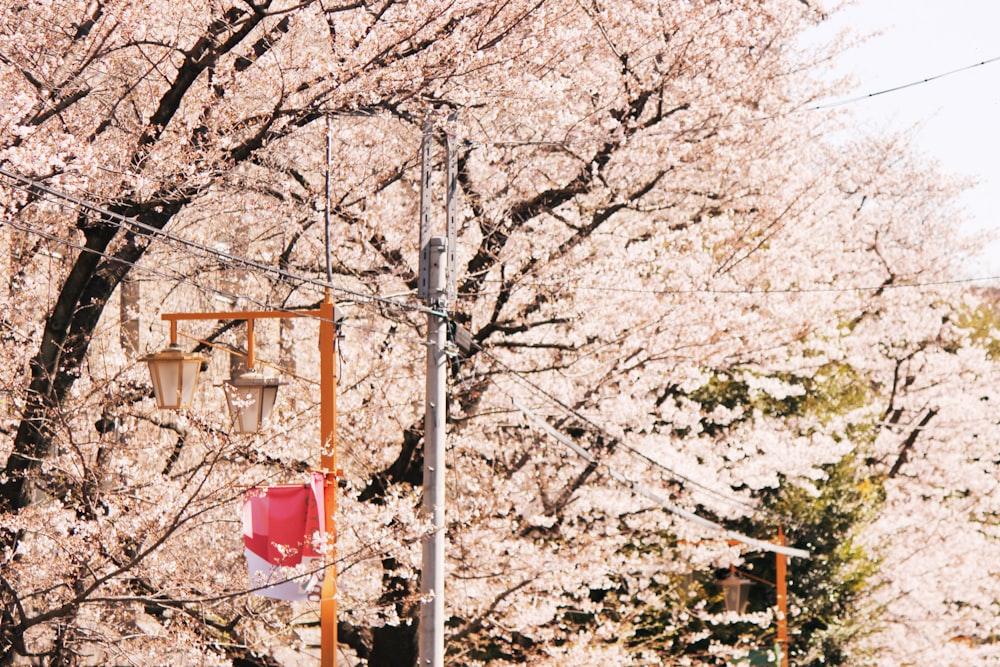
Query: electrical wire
x=286, y=276
x=37, y=188
x=632, y=450
x=640, y=490
x=756, y=120
x=27, y=229
x=894, y=89
x=34, y=187
x=758, y=292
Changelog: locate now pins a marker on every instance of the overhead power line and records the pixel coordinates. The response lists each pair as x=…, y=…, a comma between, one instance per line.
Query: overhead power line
x=894, y=89
x=66, y=243
x=640, y=490
x=684, y=479
x=35, y=187
x=819, y=289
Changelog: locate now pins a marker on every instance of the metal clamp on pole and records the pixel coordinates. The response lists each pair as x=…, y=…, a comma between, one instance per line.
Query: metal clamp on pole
x=451, y=213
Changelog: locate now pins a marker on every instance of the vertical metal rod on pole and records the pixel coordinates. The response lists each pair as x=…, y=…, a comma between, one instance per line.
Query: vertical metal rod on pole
x=431, y=641
x=328, y=463
x=781, y=582
x=426, y=151
x=326, y=205
x=451, y=210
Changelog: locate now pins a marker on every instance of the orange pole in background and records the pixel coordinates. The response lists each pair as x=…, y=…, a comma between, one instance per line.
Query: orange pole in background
x=781, y=574
x=328, y=464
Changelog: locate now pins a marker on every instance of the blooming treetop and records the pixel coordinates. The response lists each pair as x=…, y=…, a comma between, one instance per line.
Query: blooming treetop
x=661, y=254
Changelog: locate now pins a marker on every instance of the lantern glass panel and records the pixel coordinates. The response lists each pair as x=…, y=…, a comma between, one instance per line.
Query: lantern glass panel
x=174, y=374
x=251, y=398
x=268, y=397
x=189, y=380
x=165, y=374
x=737, y=592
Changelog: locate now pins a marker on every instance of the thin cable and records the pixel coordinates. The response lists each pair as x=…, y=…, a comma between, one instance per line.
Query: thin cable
x=33, y=187
x=894, y=89
x=757, y=120
x=632, y=450
x=640, y=490
x=759, y=292
x=565, y=144
x=187, y=281
x=227, y=348
x=326, y=205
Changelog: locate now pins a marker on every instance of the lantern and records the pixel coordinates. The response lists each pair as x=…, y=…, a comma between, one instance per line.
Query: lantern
x=174, y=373
x=737, y=592
x=251, y=397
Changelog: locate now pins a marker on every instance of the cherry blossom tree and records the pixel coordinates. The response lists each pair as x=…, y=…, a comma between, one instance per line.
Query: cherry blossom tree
x=665, y=255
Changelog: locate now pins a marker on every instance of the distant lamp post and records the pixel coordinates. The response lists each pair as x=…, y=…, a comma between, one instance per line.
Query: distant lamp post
x=174, y=373
x=251, y=397
x=737, y=592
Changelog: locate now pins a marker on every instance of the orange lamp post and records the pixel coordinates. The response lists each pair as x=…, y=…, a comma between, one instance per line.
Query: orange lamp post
x=781, y=584
x=736, y=590
x=250, y=397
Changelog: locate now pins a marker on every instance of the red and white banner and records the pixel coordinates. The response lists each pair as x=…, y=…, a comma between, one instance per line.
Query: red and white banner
x=283, y=526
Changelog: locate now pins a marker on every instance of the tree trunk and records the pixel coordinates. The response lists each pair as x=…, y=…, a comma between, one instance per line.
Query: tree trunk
x=69, y=329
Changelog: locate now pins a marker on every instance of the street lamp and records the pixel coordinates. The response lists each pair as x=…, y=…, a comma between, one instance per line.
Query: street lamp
x=175, y=375
x=737, y=592
x=251, y=397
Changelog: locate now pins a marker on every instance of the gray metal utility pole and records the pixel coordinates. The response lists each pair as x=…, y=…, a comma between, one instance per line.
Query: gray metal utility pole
x=437, y=288
x=432, y=574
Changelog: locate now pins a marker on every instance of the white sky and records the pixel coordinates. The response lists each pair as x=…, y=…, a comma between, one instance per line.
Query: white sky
x=957, y=117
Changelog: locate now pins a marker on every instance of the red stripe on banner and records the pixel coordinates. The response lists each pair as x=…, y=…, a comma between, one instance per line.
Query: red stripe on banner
x=278, y=519
x=283, y=527
x=313, y=523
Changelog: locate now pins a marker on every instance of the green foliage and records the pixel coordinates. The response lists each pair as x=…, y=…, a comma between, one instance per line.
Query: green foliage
x=824, y=518
x=666, y=614
x=825, y=589
x=983, y=323
x=832, y=389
